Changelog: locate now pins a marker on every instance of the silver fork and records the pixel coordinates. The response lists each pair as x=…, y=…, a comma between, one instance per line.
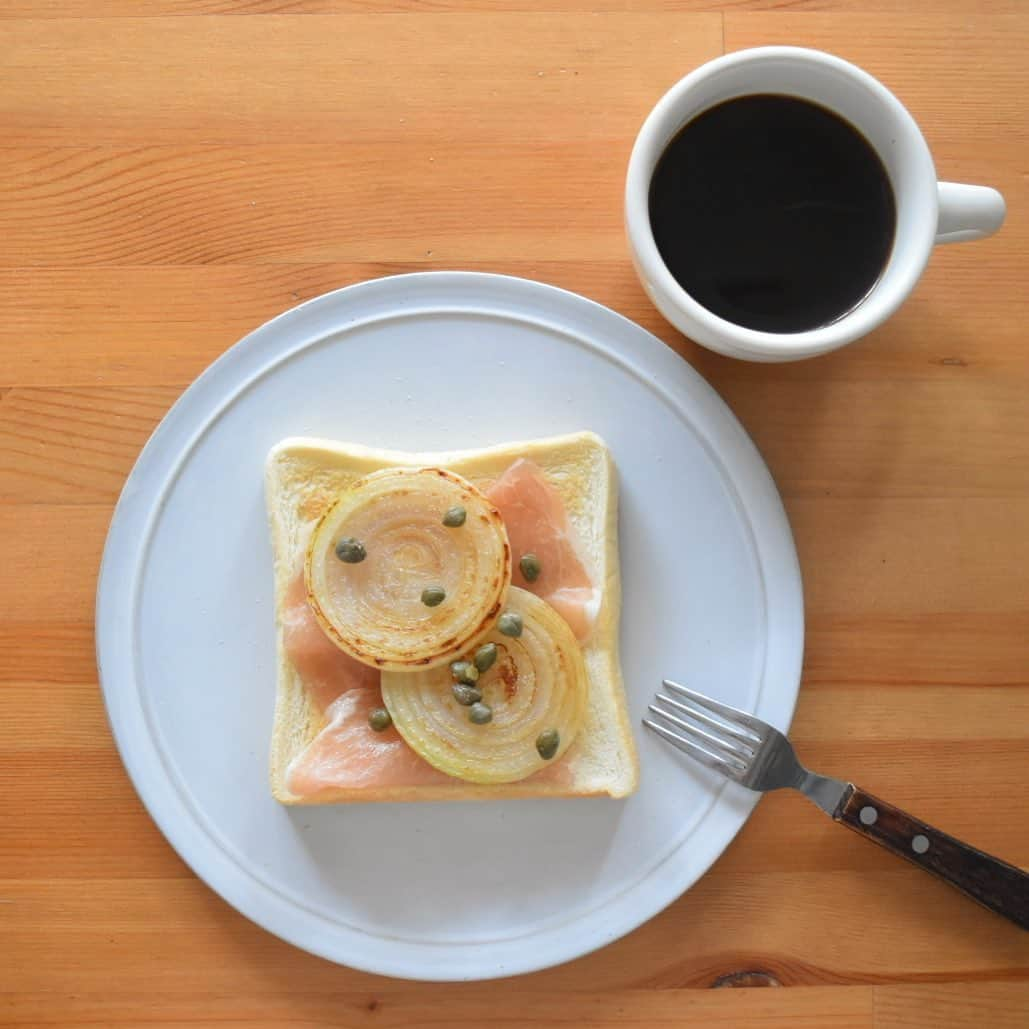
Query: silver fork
x=754, y=754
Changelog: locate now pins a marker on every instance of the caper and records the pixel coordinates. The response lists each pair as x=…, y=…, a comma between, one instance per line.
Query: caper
x=547, y=743
x=465, y=671
x=379, y=719
x=466, y=695
x=480, y=713
x=485, y=656
x=455, y=516
x=433, y=596
x=350, y=551
x=510, y=623
x=530, y=566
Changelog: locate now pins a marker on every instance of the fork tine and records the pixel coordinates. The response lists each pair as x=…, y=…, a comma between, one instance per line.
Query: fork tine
x=731, y=714
x=697, y=753
x=724, y=748
x=744, y=736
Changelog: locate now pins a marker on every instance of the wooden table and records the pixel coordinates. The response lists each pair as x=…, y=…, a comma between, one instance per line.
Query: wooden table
x=173, y=174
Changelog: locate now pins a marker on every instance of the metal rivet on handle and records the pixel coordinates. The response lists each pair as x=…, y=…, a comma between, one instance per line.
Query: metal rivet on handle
x=868, y=815
x=920, y=844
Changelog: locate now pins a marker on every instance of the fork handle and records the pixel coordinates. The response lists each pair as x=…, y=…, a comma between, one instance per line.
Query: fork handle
x=993, y=883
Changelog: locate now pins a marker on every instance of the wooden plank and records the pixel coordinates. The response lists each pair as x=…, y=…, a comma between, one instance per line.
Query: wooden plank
x=444, y=1006
x=75, y=446
x=305, y=203
x=96, y=825
x=50, y=652
x=925, y=648
x=551, y=77
x=152, y=8
x=966, y=1005
x=867, y=439
x=917, y=715
x=909, y=556
x=40, y=581
x=68, y=724
x=997, y=1005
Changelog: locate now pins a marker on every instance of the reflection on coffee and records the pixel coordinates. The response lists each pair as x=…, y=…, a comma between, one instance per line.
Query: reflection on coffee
x=773, y=212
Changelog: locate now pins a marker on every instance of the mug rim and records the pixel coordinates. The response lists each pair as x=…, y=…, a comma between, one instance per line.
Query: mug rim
x=863, y=318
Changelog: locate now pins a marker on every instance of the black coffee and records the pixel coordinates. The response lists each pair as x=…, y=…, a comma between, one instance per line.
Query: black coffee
x=773, y=212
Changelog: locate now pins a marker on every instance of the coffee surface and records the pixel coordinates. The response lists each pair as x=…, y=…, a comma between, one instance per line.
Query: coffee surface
x=773, y=212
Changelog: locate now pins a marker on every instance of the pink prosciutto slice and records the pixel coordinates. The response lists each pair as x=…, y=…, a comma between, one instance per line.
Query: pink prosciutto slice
x=349, y=753
x=537, y=523
x=325, y=670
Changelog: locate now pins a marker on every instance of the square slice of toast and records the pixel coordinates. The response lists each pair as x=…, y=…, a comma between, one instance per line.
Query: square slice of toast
x=305, y=476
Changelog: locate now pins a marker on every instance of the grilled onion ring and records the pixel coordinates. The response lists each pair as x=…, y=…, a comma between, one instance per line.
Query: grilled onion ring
x=538, y=682
x=373, y=609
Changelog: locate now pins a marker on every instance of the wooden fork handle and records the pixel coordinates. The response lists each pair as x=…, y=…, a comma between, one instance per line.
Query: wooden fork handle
x=993, y=883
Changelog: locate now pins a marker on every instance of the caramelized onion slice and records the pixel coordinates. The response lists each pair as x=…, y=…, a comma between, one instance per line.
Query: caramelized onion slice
x=538, y=682
x=373, y=608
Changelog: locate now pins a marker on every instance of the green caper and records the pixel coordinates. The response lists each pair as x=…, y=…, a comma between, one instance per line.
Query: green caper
x=510, y=623
x=530, y=566
x=433, y=596
x=465, y=671
x=547, y=743
x=455, y=516
x=379, y=719
x=485, y=656
x=480, y=713
x=350, y=551
x=466, y=695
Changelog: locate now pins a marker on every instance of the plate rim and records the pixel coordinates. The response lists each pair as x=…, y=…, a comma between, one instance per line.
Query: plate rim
x=136, y=501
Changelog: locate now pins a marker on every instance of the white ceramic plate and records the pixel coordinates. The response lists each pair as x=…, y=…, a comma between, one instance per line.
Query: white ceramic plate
x=185, y=623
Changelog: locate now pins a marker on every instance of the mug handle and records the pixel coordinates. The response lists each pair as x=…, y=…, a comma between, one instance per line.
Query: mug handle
x=968, y=212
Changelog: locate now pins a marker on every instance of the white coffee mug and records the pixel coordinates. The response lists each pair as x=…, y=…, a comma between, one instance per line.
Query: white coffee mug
x=927, y=211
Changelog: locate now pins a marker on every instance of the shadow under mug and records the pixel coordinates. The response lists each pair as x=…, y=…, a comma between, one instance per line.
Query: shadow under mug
x=928, y=212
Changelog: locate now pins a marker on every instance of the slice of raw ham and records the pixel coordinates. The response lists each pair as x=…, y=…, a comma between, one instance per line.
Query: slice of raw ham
x=325, y=670
x=349, y=753
x=537, y=523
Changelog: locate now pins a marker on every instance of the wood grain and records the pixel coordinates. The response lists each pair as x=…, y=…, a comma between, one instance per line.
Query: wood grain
x=150, y=8
x=440, y=80
x=176, y=173
x=856, y=1007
